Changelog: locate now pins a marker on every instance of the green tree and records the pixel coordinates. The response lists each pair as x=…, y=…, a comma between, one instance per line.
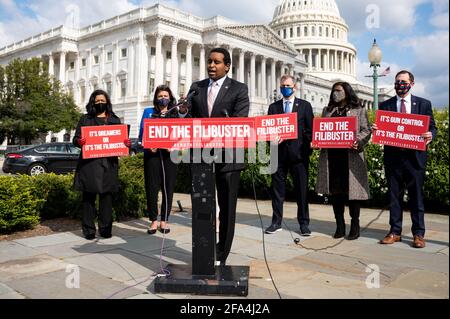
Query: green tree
x=32, y=103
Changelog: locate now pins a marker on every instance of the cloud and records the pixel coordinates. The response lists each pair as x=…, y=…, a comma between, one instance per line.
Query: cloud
x=440, y=18
x=395, y=15
x=48, y=14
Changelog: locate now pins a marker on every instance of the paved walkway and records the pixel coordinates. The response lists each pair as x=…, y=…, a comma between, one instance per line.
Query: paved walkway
x=320, y=267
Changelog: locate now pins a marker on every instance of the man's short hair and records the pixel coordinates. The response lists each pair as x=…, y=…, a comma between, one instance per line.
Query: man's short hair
x=411, y=76
x=226, y=55
x=287, y=76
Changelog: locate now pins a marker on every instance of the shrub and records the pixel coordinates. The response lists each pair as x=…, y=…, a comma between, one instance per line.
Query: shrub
x=130, y=200
x=59, y=198
x=18, y=204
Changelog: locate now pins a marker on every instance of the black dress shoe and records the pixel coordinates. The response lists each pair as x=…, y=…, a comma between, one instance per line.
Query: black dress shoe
x=90, y=236
x=151, y=231
x=164, y=230
x=108, y=235
x=304, y=230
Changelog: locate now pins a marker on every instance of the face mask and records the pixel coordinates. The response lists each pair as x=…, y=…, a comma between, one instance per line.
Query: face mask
x=338, y=96
x=100, y=108
x=163, y=102
x=402, y=88
x=286, y=91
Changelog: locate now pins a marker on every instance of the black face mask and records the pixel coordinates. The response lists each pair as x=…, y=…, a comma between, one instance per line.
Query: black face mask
x=402, y=88
x=100, y=108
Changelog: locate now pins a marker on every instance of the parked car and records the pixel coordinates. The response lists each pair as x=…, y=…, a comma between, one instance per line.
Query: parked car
x=136, y=146
x=52, y=157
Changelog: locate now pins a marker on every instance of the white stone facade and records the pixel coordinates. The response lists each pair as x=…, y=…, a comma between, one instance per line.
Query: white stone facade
x=129, y=55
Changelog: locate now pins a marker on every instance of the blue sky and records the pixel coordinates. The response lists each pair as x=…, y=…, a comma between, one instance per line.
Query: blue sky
x=413, y=34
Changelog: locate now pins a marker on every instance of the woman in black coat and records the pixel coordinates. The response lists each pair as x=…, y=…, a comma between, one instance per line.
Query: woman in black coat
x=98, y=175
x=160, y=172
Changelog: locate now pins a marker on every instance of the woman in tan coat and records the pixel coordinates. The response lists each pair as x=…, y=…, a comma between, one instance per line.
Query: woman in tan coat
x=342, y=173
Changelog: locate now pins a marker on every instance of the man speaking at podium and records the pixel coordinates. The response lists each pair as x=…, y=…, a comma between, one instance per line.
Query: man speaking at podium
x=221, y=96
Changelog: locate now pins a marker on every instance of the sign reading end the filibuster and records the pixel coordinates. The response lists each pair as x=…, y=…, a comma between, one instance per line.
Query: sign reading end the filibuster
x=401, y=130
x=104, y=141
x=284, y=126
x=334, y=132
x=178, y=134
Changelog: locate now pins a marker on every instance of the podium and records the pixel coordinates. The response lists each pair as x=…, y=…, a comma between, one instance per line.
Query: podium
x=203, y=276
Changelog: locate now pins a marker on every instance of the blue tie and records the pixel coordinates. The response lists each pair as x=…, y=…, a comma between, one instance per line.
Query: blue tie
x=287, y=108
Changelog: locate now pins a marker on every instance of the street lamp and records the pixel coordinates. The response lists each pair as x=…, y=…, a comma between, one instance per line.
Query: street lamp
x=375, y=56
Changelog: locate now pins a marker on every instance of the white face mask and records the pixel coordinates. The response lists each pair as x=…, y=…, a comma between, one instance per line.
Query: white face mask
x=338, y=96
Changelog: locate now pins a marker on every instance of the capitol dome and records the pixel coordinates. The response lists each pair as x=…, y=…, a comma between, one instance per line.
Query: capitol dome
x=319, y=33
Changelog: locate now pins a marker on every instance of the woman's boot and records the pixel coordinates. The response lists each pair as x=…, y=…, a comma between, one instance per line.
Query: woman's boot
x=354, y=207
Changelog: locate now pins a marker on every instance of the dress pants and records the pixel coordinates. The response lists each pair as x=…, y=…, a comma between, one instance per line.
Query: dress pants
x=400, y=176
x=227, y=193
x=154, y=181
x=299, y=173
x=90, y=213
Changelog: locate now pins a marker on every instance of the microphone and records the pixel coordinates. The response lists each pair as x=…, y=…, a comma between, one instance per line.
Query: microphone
x=177, y=106
x=225, y=112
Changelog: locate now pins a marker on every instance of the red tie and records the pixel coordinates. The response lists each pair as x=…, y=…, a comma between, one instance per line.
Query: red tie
x=403, y=106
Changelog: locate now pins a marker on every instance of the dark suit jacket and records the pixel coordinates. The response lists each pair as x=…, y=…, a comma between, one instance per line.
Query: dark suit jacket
x=297, y=150
x=418, y=106
x=232, y=97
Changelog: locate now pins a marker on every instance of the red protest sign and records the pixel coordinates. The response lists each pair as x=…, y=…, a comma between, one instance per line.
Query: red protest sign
x=104, y=141
x=334, y=132
x=167, y=133
x=199, y=133
x=269, y=127
x=401, y=130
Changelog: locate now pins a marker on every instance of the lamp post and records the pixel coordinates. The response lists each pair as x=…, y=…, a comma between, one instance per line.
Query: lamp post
x=375, y=56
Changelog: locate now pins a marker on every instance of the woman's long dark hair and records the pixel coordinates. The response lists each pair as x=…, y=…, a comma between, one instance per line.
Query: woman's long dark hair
x=90, y=106
x=159, y=89
x=351, y=99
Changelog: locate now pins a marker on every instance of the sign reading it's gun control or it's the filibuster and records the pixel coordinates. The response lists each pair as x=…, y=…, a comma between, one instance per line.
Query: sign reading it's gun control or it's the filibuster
x=401, y=130
x=334, y=132
x=104, y=141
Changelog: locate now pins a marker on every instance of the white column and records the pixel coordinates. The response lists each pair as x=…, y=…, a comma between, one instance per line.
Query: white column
x=302, y=85
x=131, y=66
x=342, y=61
x=252, y=75
x=62, y=68
x=273, y=75
x=263, y=78
x=326, y=60
x=142, y=69
x=335, y=61
x=317, y=59
x=159, y=68
x=89, y=68
x=354, y=65
x=188, y=66
x=310, y=56
x=346, y=62
x=241, y=66
x=230, y=72
x=51, y=65
x=77, y=78
x=102, y=62
x=202, y=62
x=116, y=57
x=174, y=71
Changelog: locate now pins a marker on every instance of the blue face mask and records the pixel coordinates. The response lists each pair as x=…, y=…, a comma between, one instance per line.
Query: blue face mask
x=286, y=91
x=163, y=102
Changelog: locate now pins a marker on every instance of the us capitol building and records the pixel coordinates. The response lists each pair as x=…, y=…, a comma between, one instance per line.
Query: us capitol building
x=130, y=54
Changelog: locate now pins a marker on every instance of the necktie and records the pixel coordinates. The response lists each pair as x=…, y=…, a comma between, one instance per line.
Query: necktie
x=287, y=108
x=403, y=106
x=212, y=96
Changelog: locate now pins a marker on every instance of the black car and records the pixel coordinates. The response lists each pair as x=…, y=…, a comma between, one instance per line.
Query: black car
x=45, y=158
x=136, y=146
